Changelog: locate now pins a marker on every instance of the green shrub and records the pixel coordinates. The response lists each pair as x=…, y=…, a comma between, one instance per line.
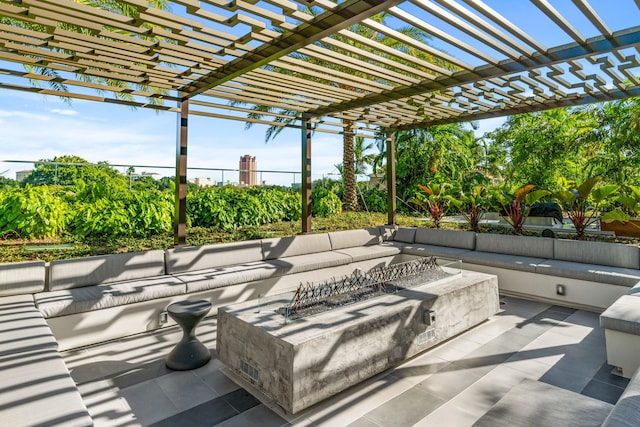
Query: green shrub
x=374, y=200
x=327, y=205
x=33, y=211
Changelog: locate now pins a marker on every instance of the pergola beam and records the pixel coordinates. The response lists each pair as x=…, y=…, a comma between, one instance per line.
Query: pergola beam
x=570, y=101
x=345, y=14
x=573, y=51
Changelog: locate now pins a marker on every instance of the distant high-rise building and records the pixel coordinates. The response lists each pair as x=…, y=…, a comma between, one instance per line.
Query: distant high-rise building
x=248, y=170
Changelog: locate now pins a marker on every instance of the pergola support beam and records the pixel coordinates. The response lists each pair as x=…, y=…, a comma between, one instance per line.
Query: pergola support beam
x=305, y=184
x=180, y=217
x=391, y=178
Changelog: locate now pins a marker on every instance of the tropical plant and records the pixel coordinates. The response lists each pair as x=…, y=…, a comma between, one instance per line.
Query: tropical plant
x=326, y=204
x=516, y=206
x=581, y=204
x=473, y=205
x=33, y=212
x=433, y=199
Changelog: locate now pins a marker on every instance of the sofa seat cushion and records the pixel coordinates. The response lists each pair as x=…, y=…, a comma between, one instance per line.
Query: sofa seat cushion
x=315, y=261
x=591, y=272
x=432, y=250
x=88, y=298
x=37, y=390
x=364, y=253
x=23, y=326
x=623, y=315
x=510, y=262
x=212, y=278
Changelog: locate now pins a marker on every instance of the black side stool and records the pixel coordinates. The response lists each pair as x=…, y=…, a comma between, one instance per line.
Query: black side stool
x=189, y=353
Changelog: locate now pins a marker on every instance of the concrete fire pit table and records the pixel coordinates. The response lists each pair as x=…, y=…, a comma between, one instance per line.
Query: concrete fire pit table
x=301, y=362
x=189, y=353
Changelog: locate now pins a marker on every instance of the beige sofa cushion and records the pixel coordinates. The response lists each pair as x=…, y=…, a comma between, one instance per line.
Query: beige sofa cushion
x=601, y=253
x=211, y=278
x=404, y=235
x=37, y=390
x=97, y=270
x=191, y=258
x=23, y=326
x=281, y=247
x=22, y=278
x=354, y=238
x=535, y=247
x=88, y=298
x=450, y=238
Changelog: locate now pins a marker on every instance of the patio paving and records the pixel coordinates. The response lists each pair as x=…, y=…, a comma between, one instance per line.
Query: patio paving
x=125, y=383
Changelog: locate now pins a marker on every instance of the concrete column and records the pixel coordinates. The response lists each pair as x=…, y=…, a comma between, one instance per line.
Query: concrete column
x=180, y=217
x=305, y=182
x=391, y=178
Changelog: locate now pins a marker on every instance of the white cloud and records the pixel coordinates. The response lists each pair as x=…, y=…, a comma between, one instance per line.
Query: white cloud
x=64, y=112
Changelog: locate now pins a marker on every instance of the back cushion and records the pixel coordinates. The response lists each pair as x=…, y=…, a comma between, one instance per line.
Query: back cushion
x=451, y=238
x=405, y=235
x=537, y=247
x=603, y=253
x=295, y=245
x=96, y=270
x=22, y=278
x=191, y=258
x=351, y=238
x=387, y=232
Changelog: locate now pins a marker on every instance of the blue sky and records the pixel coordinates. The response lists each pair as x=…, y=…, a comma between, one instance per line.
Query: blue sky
x=38, y=127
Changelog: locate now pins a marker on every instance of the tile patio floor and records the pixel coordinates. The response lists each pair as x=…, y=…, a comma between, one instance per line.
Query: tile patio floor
x=125, y=383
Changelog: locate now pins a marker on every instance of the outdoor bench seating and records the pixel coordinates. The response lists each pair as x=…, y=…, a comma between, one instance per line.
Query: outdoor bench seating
x=76, y=302
x=37, y=388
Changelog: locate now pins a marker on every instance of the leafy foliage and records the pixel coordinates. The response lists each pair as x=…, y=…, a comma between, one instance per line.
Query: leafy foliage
x=33, y=211
x=581, y=203
x=325, y=203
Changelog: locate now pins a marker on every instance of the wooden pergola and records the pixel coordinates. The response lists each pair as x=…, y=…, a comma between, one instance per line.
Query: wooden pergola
x=334, y=67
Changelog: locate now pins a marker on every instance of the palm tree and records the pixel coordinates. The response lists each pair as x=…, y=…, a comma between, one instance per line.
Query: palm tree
x=285, y=116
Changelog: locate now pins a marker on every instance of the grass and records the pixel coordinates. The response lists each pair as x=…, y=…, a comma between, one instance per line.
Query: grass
x=15, y=250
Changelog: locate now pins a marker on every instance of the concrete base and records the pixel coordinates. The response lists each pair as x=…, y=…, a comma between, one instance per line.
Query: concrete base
x=623, y=351
x=305, y=361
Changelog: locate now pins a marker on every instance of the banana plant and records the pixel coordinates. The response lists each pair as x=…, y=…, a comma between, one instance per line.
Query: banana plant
x=434, y=199
x=630, y=202
x=581, y=204
x=473, y=205
x=517, y=206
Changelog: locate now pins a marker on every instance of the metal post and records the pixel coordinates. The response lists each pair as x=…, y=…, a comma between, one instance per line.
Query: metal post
x=305, y=181
x=391, y=178
x=180, y=218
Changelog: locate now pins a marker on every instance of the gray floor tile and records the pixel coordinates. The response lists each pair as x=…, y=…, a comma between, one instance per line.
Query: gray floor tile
x=405, y=409
x=148, y=402
x=452, y=380
x=562, y=378
x=602, y=391
x=185, y=390
x=257, y=416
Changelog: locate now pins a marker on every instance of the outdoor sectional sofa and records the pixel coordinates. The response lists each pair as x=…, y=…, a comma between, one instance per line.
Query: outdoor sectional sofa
x=76, y=302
